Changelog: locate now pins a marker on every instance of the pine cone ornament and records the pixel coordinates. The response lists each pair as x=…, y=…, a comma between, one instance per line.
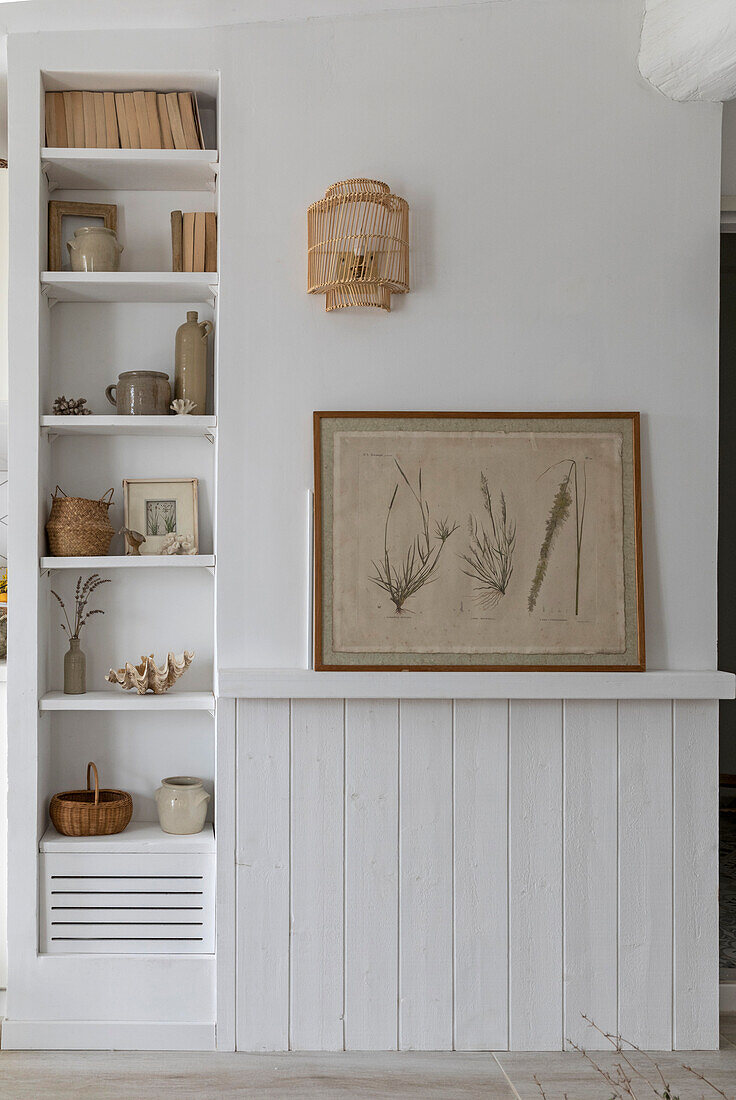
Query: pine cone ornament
x=71, y=406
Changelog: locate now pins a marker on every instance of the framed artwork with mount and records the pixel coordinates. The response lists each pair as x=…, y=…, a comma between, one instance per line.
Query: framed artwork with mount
x=478, y=541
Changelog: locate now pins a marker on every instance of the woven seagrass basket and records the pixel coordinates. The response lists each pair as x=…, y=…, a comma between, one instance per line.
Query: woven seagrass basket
x=91, y=812
x=78, y=527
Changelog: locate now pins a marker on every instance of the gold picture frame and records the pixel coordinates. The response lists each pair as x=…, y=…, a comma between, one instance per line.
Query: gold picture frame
x=478, y=542
x=105, y=211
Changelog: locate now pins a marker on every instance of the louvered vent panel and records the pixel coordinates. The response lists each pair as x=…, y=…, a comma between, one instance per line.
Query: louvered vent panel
x=129, y=904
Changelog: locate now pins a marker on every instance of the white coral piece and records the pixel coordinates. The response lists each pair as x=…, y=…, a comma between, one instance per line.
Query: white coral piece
x=182, y=406
x=147, y=676
x=178, y=544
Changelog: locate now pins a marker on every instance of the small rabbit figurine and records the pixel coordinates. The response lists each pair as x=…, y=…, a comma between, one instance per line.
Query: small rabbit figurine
x=94, y=248
x=181, y=801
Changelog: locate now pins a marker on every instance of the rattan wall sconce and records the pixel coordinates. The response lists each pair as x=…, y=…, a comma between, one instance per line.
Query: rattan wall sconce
x=358, y=245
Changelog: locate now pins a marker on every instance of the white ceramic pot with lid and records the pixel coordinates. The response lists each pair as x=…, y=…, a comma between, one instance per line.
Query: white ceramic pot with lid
x=181, y=801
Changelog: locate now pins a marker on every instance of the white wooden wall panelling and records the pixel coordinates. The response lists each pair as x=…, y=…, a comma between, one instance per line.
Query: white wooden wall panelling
x=590, y=870
x=480, y=836
x=494, y=867
x=226, y=908
x=371, y=874
x=425, y=852
x=535, y=875
x=317, y=855
x=695, y=815
x=645, y=873
x=263, y=859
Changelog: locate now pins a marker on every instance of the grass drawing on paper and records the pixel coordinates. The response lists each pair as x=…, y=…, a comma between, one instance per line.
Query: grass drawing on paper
x=403, y=576
x=489, y=560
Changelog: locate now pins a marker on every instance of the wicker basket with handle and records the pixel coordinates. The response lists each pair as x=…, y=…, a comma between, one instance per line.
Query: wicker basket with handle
x=78, y=527
x=91, y=812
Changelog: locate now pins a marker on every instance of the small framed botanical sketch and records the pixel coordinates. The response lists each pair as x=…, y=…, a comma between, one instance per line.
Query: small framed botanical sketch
x=160, y=508
x=84, y=212
x=481, y=541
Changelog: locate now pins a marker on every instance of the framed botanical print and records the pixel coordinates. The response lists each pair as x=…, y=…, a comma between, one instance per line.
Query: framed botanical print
x=481, y=541
x=165, y=512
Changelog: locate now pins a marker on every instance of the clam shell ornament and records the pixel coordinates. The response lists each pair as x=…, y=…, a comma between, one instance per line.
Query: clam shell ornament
x=147, y=676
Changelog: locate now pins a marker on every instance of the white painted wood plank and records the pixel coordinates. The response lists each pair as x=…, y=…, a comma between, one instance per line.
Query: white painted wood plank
x=127, y=700
x=645, y=873
x=425, y=884
x=129, y=286
x=263, y=875
x=129, y=425
x=226, y=908
x=138, y=836
x=131, y=169
x=590, y=870
x=273, y=683
x=106, y=1035
x=481, y=875
x=131, y=561
x=695, y=1025
x=371, y=874
x=535, y=875
x=317, y=823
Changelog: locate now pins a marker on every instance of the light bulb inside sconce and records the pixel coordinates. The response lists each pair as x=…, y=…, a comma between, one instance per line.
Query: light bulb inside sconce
x=358, y=245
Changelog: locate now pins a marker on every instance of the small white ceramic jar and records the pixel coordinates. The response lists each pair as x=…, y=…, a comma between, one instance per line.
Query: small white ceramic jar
x=94, y=248
x=181, y=801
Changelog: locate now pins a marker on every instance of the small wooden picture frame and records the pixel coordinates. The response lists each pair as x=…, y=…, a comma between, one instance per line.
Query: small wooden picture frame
x=107, y=212
x=158, y=507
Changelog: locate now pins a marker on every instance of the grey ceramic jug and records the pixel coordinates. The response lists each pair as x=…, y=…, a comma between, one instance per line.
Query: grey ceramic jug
x=141, y=393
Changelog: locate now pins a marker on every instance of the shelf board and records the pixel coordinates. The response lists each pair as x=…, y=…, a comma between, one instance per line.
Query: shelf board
x=205, y=426
x=253, y=683
x=140, y=836
x=129, y=286
x=130, y=169
x=131, y=561
x=126, y=700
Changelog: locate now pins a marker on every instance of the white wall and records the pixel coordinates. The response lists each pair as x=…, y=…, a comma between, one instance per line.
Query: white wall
x=565, y=234
x=564, y=223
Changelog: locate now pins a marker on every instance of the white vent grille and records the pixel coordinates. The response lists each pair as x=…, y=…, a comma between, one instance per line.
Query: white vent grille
x=130, y=904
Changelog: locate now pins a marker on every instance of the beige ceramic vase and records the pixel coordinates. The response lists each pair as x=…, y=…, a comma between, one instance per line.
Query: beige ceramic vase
x=94, y=248
x=190, y=381
x=181, y=801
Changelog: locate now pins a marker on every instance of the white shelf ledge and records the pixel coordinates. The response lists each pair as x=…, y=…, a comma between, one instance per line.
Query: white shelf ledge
x=129, y=286
x=140, y=836
x=131, y=561
x=204, y=426
x=128, y=700
x=239, y=683
x=130, y=169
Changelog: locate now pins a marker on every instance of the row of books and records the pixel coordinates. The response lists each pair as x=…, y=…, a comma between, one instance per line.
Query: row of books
x=193, y=241
x=123, y=120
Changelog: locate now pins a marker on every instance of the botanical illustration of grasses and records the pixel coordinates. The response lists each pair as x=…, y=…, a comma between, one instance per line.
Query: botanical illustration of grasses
x=567, y=494
x=490, y=554
x=160, y=514
x=402, y=577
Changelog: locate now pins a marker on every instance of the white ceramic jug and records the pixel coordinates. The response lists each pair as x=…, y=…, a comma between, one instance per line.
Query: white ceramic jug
x=94, y=248
x=181, y=801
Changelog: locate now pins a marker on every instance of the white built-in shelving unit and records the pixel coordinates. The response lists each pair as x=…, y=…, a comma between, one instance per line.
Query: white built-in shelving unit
x=79, y=332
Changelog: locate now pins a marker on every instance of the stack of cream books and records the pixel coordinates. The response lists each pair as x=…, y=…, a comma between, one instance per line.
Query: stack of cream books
x=122, y=120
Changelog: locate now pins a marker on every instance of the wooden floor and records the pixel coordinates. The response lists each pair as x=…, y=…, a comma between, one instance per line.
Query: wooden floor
x=145, y=1076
